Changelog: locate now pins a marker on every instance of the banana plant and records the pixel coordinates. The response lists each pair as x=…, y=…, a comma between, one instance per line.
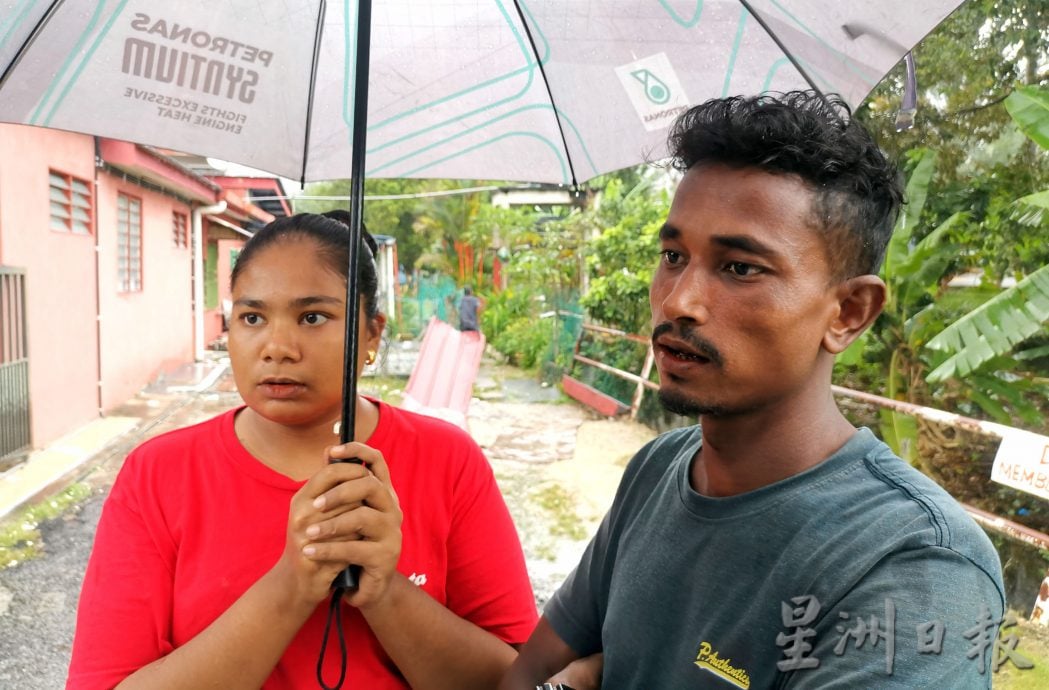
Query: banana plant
x=975, y=357
x=913, y=271
x=998, y=326
x=994, y=328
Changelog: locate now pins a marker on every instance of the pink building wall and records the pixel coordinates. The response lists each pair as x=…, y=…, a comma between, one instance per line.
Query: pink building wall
x=91, y=346
x=144, y=331
x=60, y=276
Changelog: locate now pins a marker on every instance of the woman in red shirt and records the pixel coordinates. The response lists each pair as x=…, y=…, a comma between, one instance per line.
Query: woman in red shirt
x=217, y=547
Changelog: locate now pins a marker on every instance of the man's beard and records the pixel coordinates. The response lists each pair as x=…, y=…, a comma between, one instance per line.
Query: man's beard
x=675, y=401
x=685, y=406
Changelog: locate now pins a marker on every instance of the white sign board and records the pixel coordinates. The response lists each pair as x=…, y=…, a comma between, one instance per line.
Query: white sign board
x=1022, y=461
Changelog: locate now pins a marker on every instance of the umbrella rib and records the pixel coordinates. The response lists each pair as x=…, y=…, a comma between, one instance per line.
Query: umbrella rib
x=317, y=36
x=797, y=65
x=549, y=93
x=24, y=48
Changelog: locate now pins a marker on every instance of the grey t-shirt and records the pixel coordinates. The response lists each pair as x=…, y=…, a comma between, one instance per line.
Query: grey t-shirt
x=790, y=585
x=468, y=313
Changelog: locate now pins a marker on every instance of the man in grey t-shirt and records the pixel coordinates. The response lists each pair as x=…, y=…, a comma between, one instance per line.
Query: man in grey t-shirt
x=779, y=546
x=469, y=311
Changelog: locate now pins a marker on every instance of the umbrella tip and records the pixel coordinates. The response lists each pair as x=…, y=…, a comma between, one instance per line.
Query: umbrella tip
x=904, y=120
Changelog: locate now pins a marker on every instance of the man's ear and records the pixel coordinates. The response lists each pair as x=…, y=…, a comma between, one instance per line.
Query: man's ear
x=860, y=300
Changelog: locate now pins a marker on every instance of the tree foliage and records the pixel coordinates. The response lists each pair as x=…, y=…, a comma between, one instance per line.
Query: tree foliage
x=966, y=69
x=395, y=217
x=624, y=255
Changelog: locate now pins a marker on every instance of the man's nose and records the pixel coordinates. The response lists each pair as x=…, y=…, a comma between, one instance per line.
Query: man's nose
x=684, y=297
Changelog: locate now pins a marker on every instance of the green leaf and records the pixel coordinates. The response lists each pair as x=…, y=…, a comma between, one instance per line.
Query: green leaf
x=916, y=194
x=922, y=270
x=991, y=406
x=1033, y=353
x=1029, y=107
x=993, y=328
x=853, y=354
x=1011, y=394
x=900, y=432
x=1040, y=199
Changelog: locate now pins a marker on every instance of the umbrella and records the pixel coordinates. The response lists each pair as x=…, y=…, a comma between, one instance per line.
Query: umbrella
x=544, y=90
x=538, y=90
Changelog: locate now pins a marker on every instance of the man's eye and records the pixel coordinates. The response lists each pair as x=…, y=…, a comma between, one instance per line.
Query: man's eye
x=670, y=256
x=740, y=268
x=251, y=319
x=314, y=319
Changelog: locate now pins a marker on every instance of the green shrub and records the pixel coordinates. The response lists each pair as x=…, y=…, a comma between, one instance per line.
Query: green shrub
x=524, y=342
x=503, y=308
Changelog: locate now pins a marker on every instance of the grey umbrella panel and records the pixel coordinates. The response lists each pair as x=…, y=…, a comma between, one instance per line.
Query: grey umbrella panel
x=541, y=90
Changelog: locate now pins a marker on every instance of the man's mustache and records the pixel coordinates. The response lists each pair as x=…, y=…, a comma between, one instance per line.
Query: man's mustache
x=688, y=335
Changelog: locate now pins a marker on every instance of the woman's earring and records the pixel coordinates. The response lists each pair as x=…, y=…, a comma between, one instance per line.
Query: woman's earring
x=370, y=359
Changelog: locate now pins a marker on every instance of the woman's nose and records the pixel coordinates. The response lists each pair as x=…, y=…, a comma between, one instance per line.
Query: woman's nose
x=281, y=344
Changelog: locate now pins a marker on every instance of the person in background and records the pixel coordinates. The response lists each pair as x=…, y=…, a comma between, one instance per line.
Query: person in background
x=773, y=544
x=470, y=308
x=218, y=545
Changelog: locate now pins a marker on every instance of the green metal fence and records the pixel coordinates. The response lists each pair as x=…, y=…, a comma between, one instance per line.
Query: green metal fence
x=430, y=296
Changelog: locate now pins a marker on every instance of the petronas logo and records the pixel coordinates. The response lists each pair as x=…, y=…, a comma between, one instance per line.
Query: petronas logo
x=662, y=97
x=655, y=89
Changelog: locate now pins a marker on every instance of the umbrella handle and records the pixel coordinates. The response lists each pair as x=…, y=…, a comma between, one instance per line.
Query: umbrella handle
x=350, y=577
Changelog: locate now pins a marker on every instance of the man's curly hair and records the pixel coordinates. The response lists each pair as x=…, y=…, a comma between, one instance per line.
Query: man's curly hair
x=857, y=190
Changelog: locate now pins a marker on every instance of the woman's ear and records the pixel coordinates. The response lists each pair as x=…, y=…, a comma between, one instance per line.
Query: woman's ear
x=860, y=300
x=375, y=328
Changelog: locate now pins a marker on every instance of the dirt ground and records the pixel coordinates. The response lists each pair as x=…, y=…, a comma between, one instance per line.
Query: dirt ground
x=558, y=464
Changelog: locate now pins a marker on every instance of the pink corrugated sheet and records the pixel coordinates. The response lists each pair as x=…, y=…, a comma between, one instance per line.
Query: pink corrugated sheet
x=442, y=381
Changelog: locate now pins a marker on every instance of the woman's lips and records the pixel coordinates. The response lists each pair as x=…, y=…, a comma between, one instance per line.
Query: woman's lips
x=281, y=389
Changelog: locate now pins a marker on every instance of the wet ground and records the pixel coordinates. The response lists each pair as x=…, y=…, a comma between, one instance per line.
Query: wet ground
x=557, y=464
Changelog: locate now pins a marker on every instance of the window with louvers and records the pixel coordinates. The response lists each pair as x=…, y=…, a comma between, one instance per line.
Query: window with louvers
x=180, y=225
x=129, y=244
x=71, y=208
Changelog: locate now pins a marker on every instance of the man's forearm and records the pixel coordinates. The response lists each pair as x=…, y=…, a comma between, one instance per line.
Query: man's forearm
x=542, y=656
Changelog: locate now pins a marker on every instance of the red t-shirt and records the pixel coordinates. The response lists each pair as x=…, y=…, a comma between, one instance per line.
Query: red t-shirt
x=194, y=520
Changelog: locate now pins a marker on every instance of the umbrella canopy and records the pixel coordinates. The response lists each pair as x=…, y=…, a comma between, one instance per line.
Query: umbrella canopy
x=544, y=90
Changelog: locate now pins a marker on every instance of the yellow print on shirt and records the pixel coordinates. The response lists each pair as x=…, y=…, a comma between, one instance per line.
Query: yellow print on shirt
x=708, y=660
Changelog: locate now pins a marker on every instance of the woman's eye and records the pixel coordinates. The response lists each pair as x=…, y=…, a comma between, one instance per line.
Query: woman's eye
x=251, y=319
x=670, y=256
x=742, y=269
x=314, y=319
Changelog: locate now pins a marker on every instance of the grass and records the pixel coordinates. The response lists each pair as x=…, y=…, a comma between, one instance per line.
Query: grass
x=20, y=538
x=1034, y=646
x=389, y=389
x=561, y=505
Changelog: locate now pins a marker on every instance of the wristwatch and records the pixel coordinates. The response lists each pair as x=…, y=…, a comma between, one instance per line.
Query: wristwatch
x=551, y=686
